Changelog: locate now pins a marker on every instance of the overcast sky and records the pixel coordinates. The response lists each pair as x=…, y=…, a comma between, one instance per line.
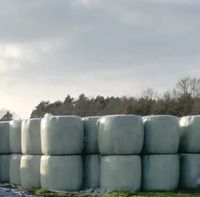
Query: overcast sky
x=49, y=49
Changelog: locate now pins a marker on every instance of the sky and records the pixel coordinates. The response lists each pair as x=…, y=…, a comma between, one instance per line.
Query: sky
x=49, y=49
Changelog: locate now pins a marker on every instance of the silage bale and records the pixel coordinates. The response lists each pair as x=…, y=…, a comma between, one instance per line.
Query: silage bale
x=4, y=137
x=61, y=173
x=91, y=171
x=30, y=137
x=160, y=172
x=91, y=135
x=62, y=135
x=120, y=173
x=190, y=171
x=14, y=169
x=30, y=171
x=190, y=134
x=4, y=168
x=15, y=136
x=161, y=134
x=120, y=134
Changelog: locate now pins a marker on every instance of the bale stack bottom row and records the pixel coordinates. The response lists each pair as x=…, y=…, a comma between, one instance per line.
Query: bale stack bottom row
x=114, y=153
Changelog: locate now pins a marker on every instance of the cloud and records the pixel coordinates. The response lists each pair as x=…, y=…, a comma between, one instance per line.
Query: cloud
x=115, y=47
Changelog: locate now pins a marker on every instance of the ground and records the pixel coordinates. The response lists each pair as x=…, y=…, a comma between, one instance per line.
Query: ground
x=11, y=191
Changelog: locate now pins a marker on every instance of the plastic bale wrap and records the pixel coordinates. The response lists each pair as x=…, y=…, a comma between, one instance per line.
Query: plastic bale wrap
x=61, y=173
x=4, y=168
x=160, y=172
x=30, y=137
x=161, y=134
x=91, y=171
x=62, y=135
x=190, y=171
x=30, y=171
x=15, y=136
x=120, y=134
x=120, y=173
x=14, y=170
x=4, y=137
x=190, y=134
x=91, y=135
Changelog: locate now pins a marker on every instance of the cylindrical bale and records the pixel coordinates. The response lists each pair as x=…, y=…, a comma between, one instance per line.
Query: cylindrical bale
x=4, y=137
x=61, y=173
x=91, y=171
x=30, y=137
x=91, y=135
x=190, y=134
x=190, y=171
x=120, y=173
x=4, y=168
x=120, y=134
x=30, y=171
x=15, y=136
x=160, y=172
x=161, y=134
x=62, y=135
x=14, y=170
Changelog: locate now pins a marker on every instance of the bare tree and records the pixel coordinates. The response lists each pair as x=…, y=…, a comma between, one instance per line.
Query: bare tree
x=188, y=88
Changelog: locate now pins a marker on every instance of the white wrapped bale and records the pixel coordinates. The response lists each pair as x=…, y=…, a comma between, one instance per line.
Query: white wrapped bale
x=160, y=172
x=61, y=173
x=14, y=170
x=30, y=137
x=91, y=135
x=120, y=173
x=190, y=134
x=161, y=134
x=120, y=134
x=30, y=171
x=62, y=135
x=91, y=171
x=4, y=137
x=190, y=171
x=4, y=168
x=15, y=136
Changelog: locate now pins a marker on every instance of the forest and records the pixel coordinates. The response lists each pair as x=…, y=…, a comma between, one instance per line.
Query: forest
x=183, y=99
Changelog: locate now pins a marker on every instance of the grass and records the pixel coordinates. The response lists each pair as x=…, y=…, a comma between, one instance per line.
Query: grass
x=43, y=192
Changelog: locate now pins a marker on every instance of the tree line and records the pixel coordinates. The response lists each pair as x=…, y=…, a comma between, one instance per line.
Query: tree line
x=183, y=100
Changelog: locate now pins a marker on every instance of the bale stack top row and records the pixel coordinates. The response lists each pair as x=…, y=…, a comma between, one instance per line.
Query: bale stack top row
x=117, y=134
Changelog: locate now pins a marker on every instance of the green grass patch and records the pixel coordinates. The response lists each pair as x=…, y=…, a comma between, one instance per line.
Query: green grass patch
x=43, y=192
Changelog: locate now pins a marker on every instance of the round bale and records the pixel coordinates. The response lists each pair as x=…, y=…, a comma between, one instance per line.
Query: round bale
x=190, y=171
x=160, y=172
x=30, y=171
x=91, y=135
x=15, y=136
x=61, y=173
x=14, y=170
x=120, y=173
x=161, y=134
x=190, y=134
x=62, y=135
x=4, y=137
x=120, y=134
x=91, y=171
x=30, y=137
x=4, y=168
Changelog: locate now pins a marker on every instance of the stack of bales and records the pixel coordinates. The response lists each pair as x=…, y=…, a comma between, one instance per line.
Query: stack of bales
x=31, y=150
x=62, y=144
x=160, y=162
x=15, y=150
x=120, y=139
x=4, y=151
x=190, y=152
x=91, y=156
